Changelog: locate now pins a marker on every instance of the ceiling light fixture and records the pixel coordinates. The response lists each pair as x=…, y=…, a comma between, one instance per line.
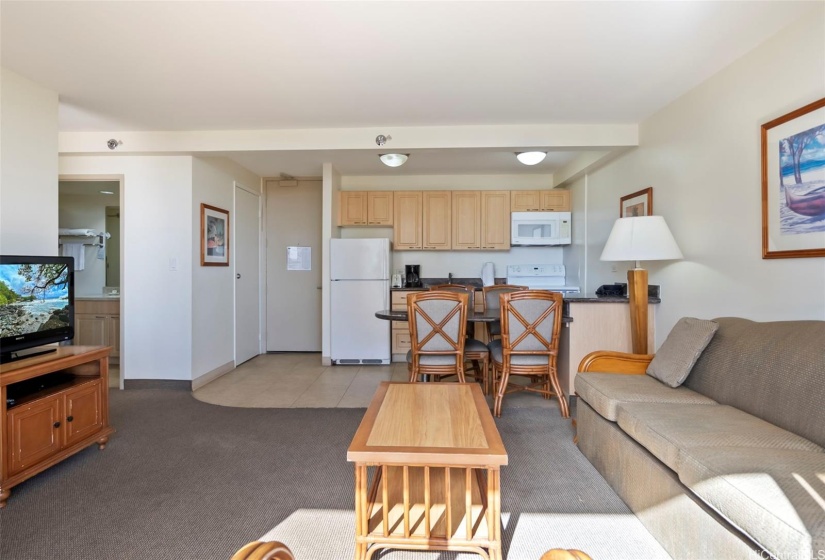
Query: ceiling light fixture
x=393, y=160
x=106, y=192
x=531, y=158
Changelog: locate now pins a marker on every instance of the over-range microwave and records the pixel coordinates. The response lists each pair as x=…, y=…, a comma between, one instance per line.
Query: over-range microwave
x=540, y=228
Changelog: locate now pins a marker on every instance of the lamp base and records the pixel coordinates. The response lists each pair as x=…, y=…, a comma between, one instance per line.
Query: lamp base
x=637, y=294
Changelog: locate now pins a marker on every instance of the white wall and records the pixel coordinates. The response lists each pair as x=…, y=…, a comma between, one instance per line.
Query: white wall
x=156, y=224
x=331, y=184
x=701, y=154
x=28, y=167
x=87, y=212
x=213, y=287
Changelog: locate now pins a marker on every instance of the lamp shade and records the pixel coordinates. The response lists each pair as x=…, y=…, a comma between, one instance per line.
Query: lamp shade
x=393, y=160
x=641, y=238
x=531, y=158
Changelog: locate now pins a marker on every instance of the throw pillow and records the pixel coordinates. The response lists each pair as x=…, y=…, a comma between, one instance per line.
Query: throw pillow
x=680, y=350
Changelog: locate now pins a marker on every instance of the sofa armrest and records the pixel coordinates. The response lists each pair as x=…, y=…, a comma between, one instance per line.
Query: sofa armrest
x=604, y=361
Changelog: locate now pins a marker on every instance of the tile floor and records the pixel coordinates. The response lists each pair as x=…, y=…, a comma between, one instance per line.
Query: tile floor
x=300, y=381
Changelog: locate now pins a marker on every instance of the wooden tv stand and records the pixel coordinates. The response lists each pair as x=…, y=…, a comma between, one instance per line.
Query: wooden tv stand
x=47, y=425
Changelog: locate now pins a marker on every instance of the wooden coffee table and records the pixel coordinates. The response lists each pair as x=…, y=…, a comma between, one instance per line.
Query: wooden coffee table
x=427, y=471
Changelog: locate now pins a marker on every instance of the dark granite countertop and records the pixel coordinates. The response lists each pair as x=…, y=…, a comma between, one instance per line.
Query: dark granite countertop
x=591, y=298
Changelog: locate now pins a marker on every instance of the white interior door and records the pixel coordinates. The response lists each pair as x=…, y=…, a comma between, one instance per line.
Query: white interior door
x=247, y=275
x=293, y=297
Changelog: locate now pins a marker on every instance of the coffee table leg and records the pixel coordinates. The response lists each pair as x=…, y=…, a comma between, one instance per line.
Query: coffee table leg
x=494, y=513
x=361, y=515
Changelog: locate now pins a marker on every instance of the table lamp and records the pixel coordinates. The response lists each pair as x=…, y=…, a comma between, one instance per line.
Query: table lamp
x=640, y=238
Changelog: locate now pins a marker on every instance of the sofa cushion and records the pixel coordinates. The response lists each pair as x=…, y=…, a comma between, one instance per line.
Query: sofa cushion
x=775, y=371
x=666, y=429
x=774, y=496
x=680, y=350
x=605, y=391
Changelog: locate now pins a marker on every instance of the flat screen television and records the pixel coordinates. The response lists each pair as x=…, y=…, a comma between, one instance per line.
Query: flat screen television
x=36, y=304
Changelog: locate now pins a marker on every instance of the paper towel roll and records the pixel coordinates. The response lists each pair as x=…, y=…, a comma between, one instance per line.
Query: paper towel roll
x=488, y=274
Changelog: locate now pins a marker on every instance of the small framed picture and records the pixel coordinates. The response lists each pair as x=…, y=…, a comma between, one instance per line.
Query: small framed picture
x=214, y=236
x=639, y=203
x=793, y=184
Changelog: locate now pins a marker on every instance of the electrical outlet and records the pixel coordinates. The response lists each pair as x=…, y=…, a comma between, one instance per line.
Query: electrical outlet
x=173, y=264
x=614, y=268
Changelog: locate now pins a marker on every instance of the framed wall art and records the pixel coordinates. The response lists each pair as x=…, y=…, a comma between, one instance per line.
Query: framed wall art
x=793, y=184
x=639, y=203
x=214, y=236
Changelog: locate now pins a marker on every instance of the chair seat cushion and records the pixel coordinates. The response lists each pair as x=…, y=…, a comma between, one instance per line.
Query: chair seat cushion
x=473, y=345
x=667, y=429
x=432, y=359
x=497, y=354
x=774, y=496
x=605, y=391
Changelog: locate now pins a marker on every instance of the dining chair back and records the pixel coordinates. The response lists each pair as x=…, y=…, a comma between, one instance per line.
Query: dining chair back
x=491, y=301
x=438, y=323
x=475, y=351
x=529, y=345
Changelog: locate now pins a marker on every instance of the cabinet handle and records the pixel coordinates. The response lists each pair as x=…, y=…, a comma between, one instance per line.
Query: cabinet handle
x=70, y=418
x=100, y=317
x=57, y=424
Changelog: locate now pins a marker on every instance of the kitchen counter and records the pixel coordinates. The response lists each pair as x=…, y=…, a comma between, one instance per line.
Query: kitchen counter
x=477, y=284
x=592, y=298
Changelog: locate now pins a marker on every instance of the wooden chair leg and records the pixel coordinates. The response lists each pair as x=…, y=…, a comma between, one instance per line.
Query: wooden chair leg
x=413, y=376
x=502, y=387
x=486, y=375
x=563, y=406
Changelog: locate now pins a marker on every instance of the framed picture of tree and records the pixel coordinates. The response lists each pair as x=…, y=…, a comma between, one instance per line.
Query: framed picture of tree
x=214, y=236
x=793, y=184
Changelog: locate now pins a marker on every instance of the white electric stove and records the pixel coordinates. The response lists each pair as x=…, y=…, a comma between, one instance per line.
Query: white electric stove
x=540, y=277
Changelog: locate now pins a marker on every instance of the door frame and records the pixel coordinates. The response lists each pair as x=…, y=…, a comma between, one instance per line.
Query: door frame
x=261, y=272
x=121, y=179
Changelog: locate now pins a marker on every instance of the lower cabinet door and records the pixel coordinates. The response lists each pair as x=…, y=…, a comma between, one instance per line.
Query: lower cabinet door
x=84, y=416
x=36, y=432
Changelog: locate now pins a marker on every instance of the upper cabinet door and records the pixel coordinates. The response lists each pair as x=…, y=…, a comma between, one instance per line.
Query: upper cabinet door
x=407, y=217
x=495, y=220
x=466, y=219
x=436, y=220
x=525, y=201
x=379, y=208
x=555, y=200
x=353, y=210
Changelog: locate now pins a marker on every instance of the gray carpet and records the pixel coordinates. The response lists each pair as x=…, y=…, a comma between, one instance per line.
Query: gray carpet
x=182, y=479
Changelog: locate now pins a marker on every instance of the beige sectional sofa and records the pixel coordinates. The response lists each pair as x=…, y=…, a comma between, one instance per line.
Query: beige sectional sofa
x=731, y=463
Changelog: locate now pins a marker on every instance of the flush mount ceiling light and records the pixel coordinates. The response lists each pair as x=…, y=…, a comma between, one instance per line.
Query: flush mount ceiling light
x=531, y=158
x=393, y=160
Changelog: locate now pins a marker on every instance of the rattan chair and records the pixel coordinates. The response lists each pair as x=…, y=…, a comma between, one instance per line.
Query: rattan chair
x=475, y=351
x=257, y=550
x=438, y=324
x=529, y=345
x=491, y=301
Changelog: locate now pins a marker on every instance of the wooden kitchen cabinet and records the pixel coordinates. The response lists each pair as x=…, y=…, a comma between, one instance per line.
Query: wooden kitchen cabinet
x=495, y=220
x=407, y=220
x=39, y=427
x=436, y=219
x=551, y=200
x=97, y=323
x=365, y=208
x=466, y=220
x=481, y=220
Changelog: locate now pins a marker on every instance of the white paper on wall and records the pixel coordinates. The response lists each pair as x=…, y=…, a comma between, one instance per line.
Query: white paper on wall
x=299, y=258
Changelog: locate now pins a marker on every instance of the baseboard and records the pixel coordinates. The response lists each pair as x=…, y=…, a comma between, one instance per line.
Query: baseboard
x=326, y=361
x=177, y=384
x=211, y=376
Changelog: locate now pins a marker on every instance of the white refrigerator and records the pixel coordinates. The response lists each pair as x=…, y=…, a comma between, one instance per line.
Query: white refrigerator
x=360, y=286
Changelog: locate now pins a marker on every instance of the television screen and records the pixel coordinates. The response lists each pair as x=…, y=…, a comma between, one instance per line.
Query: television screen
x=36, y=301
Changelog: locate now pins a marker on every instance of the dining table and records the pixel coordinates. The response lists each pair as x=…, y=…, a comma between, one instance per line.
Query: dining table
x=487, y=316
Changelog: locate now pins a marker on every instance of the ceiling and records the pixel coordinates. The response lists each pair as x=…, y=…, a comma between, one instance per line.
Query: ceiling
x=178, y=66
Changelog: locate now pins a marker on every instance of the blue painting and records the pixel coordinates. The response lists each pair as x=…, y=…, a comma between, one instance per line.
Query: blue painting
x=802, y=182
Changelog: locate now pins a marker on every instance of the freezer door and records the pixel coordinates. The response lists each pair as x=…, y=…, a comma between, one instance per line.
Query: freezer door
x=360, y=259
x=356, y=334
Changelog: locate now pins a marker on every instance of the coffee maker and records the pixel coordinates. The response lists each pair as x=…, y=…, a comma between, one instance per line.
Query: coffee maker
x=412, y=276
